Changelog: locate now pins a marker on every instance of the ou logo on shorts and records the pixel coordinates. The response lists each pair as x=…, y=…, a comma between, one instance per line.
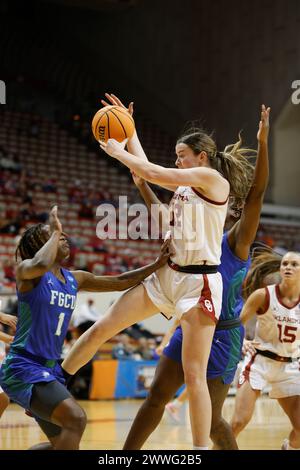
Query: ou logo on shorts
x=208, y=305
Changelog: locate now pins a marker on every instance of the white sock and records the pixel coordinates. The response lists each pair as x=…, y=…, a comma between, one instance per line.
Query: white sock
x=199, y=448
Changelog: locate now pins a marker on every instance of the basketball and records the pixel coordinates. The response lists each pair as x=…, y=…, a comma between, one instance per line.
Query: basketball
x=112, y=122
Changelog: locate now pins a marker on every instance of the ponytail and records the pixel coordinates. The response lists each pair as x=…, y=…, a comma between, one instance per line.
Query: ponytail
x=233, y=163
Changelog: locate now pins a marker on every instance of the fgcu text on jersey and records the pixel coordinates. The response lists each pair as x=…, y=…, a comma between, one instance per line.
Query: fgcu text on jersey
x=62, y=300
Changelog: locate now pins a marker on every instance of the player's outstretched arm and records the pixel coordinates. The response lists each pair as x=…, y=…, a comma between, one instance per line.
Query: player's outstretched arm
x=200, y=177
x=255, y=304
x=6, y=338
x=91, y=283
x=9, y=320
x=243, y=234
x=45, y=257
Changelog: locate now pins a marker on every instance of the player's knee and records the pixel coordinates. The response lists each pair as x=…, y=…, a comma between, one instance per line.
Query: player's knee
x=239, y=422
x=81, y=420
x=76, y=420
x=158, y=396
x=194, y=379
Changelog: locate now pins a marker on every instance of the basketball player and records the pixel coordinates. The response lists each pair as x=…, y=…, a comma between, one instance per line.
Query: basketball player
x=241, y=227
x=11, y=321
x=30, y=374
x=190, y=286
x=275, y=361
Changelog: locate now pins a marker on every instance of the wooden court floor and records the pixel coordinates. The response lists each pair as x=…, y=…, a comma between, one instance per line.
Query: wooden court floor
x=109, y=422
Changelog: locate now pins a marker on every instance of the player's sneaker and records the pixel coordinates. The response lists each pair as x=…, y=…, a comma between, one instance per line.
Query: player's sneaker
x=285, y=444
x=173, y=411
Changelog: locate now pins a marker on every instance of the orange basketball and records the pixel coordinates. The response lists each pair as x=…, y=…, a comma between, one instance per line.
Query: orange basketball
x=112, y=122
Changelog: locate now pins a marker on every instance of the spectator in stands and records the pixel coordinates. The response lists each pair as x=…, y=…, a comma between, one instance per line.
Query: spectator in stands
x=9, y=186
x=49, y=186
x=152, y=344
x=145, y=350
x=85, y=316
x=9, y=271
x=75, y=193
x=29, y=212
x=2, y=273
x=9, y=161
x=94, y=197
x=86, y=211
x=10, y=226
x=97, y=244
x=80, y=260
x=106, y=196
x=123, y=350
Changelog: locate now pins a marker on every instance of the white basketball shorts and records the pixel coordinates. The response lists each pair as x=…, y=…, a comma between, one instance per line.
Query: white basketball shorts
x=282, y=377
x=175, y=293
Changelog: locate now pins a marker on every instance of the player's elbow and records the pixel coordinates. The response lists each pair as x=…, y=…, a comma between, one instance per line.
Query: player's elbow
x=123, y=284
x=41, y=264
x=151, y=175
x=129, y=282
x=256, y=195
x=36, y=268
x=157, y=176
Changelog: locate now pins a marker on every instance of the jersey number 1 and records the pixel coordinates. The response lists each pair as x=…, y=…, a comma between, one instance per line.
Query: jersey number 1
x=287, y=336
x=61, y=318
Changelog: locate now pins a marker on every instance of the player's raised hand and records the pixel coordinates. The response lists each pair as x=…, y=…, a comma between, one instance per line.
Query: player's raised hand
x=165, y=252
x=112, y=147
x=9, y=320
x=114, y=100
x=8, y=339
x=264, y=125
x=54, y=222
x=249, y=347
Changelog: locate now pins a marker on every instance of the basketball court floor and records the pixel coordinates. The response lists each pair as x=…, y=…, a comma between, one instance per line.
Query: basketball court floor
x=109, y=422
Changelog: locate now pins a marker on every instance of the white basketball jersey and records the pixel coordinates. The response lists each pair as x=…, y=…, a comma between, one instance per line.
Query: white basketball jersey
x=278, y=329
x=197, y=227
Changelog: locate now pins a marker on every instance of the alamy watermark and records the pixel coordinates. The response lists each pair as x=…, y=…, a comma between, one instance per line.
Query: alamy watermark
x=2, y=92
x=296, y=93
x=133, y=222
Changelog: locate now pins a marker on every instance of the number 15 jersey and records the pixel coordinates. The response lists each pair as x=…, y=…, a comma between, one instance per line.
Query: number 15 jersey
x=278, y=329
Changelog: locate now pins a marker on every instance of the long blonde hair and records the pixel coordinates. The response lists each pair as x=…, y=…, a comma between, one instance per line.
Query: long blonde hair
x=233, y=163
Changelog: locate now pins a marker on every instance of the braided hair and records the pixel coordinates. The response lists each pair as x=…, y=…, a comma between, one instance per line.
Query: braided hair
x=31, y=242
